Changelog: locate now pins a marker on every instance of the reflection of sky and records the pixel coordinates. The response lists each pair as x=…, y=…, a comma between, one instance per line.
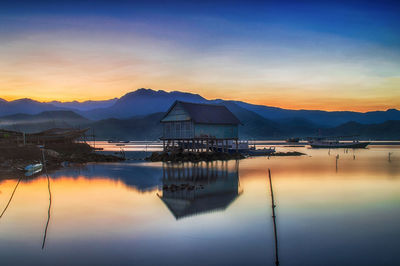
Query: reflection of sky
x=140, y=176
x=263, y=52
x=324, y=217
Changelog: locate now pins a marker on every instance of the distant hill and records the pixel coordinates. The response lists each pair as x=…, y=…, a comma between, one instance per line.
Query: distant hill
x=84, y=106
x=324, y=118
x=135, y=128
x=43, y=121
x=388, y=130
x=148, y=127
x=146, y=101
x=25, y=106
x=254, y=125
x=142, y=102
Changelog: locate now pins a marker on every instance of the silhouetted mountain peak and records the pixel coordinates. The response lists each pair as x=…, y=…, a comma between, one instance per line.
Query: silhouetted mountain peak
x=141, y=92
x=157, y=94
x=85, y=105
x=143, y=102
x=25, y=100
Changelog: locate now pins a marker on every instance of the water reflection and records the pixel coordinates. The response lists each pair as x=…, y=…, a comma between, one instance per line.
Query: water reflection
x=110, y=214
x=192, y=189
x=142, y=177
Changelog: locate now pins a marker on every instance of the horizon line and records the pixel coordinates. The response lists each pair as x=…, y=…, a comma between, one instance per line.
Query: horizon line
x=11, y=99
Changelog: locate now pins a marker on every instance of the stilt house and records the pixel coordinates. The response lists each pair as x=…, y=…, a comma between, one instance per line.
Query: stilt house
x=199, y=127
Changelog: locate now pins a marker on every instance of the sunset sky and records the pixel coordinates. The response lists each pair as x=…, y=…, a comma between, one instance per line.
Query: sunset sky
x=328, y=55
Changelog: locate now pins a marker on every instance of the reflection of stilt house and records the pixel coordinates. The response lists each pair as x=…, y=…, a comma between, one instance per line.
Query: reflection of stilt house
x=200, y=188
x=199, y=127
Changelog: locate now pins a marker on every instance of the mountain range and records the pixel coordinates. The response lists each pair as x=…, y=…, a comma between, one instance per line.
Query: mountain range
x=136, y=115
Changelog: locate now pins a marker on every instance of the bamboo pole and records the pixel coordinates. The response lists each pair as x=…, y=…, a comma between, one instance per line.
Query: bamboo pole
x=337, y=158
x=273, y=218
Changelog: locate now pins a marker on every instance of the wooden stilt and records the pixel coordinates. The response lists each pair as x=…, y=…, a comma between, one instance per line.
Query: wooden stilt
x=237, y=146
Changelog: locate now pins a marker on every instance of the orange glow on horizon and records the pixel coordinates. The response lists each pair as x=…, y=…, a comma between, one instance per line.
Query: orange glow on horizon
x=300, y=102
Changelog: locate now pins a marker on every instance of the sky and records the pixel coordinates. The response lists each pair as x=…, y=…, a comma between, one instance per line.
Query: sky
x=327, y=55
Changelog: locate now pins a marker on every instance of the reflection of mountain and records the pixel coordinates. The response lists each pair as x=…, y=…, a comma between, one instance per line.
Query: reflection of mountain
x=137, y=175
x=201, y=188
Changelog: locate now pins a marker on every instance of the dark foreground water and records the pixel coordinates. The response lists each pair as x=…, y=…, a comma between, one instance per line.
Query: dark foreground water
x=139, y=213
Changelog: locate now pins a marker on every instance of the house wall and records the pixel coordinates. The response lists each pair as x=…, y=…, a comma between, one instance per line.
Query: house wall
x=216, y=131
x=178, y=130
x=188, y=130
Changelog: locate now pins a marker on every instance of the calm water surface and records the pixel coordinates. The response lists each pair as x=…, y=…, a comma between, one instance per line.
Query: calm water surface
x=139, y=213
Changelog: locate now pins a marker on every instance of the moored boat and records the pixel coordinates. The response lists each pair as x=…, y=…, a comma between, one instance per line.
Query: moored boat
x=337, y=144
x=261, y=152
x=33, y=169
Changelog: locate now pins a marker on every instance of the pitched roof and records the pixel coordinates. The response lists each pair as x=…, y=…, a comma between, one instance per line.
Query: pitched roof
x=208, y=113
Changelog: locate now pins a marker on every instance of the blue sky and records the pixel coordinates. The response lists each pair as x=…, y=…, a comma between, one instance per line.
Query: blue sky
x=285, y=53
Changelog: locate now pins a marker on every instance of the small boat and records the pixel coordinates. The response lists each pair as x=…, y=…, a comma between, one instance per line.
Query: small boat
x=292, y=140
x=33, y=169
x=118, y=141
x=336, y=144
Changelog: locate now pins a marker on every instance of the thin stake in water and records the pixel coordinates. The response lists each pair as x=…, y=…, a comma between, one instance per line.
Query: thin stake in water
x=274, y=218
x=12, y=195
x=337, y=158
x=49, y=209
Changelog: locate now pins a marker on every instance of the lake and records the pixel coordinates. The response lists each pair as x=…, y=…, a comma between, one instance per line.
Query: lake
x=141, y=213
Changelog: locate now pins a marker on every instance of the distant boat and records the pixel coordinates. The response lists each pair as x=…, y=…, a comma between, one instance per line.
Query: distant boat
x=336, y=144
x=293, y=140
x=261, y=152
x=118, y=141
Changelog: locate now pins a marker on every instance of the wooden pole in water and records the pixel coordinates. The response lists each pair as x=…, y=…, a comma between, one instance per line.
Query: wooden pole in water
x=12, y=195
x=273, y=218
x=49, y=208
x=337, y=158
